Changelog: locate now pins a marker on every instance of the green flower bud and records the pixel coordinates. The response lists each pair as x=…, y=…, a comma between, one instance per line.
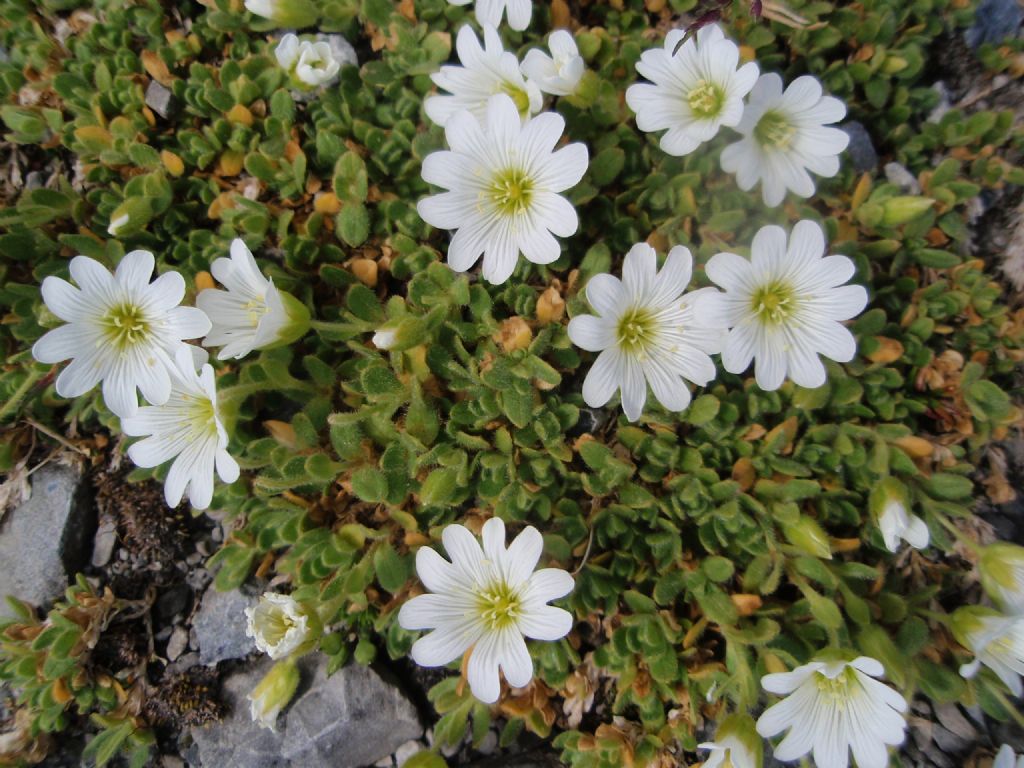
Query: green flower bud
x=294, y=14
x=807, y=535
x=1001, y=566
x=273, y=693
x=130, y=217
x=903, y=209
x=401, y=334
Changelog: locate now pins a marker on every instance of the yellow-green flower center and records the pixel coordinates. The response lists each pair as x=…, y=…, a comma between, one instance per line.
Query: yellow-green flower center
x=256, y=309
x=518, y=95
x=500, y=605
x=774, y=130
x=511, y=191
x=837, y=688
x=275, y=625
x=706, y=99
x=774, y=302
x=202, y=417
x=125, y=326
x=636, y=330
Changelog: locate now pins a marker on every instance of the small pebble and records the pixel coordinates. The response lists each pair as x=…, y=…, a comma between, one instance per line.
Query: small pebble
x=177, y=644
x=103, y=543
x=902, y=178
x=407, y=750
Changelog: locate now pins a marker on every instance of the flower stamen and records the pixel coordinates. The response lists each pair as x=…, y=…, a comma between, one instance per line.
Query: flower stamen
x=126, y=325
x=774, y=302
x=774, y=130
x=706, y=99
x=511, y=191
x=499, y=605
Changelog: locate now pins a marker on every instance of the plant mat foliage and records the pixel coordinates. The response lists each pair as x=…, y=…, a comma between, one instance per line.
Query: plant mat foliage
x=709, y=547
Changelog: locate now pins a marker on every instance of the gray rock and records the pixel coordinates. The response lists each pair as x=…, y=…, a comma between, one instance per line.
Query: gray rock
x=220, y=626
x=995, y=21
x=861, y=150
x=160, y=99
x=237, y=740
x=46, y=539
x=902, y=178
x=348, y=720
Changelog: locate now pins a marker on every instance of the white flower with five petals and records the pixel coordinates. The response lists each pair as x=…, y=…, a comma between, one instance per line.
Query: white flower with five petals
x=784, y=306
x=485, y=71
x=120, y=329
x=785, y=135
x=832, y=707
x=647, y=333
x=252, y=313
x=695, y=88
x=503, y=180
x=559, y=73
x=186, y=428
x=486, y=601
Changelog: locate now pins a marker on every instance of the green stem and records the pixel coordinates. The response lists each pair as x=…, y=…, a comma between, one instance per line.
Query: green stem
x=34, y=375
x=323, y=326
x=941, y=618
x=1009, y=706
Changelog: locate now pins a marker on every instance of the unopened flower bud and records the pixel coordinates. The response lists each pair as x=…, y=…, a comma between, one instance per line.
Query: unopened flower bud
x=294, y=14
x=807, y=535
x=890, y=505
x=273, y=693
x=130, y=217
x=1002, y=574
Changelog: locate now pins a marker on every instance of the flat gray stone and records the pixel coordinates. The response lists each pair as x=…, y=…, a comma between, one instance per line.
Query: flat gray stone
x=46, y=539
x=352, y=718
x=349, y=720
x=161, y=100
x=861, y=150
x=237, y=740
x=899, y=175
x=219, y=626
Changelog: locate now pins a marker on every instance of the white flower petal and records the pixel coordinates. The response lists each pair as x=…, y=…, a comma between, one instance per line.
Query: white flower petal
x=603, y=379
x=482, y=670
x=545, y=622
x=590, y=332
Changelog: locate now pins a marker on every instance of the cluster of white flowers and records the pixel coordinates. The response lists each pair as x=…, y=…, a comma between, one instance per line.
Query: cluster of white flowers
x=504, y=178
x=129, y=334
x=696, y=89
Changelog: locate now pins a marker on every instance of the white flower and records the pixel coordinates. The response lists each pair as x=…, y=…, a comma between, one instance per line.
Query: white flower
x=647, y=333
x=490, y=11
x=897, y=523
x=503, y=181
x=785, y=136
x=252, y=313
x=486, y=600
x=997, y=641
x=273, y=693
x=185, y=428
x=831, y=708
x=784, y=306
x=281, y=626
x=121, y=329
x=559, y=75
x=696, y=89
x=311, y=64
x=1006, y=758
x=484, y=72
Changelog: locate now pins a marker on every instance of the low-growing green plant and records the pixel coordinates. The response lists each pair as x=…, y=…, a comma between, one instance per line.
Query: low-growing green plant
x=709, y=547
